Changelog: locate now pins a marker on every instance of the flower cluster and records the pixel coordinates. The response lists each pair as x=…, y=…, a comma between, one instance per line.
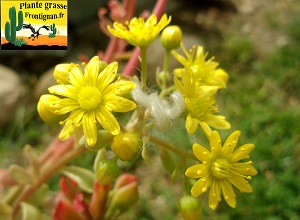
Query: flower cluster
x=84, y=102
x=198, y=82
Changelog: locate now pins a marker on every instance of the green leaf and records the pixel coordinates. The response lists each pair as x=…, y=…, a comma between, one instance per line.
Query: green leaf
x=20, y=174
x=5, y=211
x=33, y=159
x=85, y=178
x=39, y=195
x=29, y=212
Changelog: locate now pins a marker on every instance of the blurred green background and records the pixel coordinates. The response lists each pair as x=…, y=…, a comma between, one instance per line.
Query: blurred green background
x=258, y=44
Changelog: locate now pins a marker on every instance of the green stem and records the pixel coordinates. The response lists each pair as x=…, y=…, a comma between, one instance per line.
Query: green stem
x=171, y=147
x=186, y=184
x=144, y=68
x=166, y=91
x=166, y=62
x=165, y=74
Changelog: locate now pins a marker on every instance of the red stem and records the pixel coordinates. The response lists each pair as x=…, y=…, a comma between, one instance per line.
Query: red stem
x=160, y=7
x=111, y=49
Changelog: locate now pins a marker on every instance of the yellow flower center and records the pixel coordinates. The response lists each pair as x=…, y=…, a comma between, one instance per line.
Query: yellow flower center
x=221, y=168
x=89, y=97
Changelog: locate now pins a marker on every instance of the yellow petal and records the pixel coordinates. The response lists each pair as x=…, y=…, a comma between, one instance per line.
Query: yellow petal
x=201, y=153
x=179, y=57
x=215, y=144
x=90, y=128
x=76, y=116
x=108, y=121
x=228, y=193
x=231, y=142
x=217, y=121
x=244, y=169
x=214, y=194
x=179, y=86
x=240, y=183
x=64, y=90
x=67, y=105
x=118, y=88
x=201, y=186
x=119, y=104
x=188, y=82
x=197, y=171
x=222, y=76
x=151, y=21
x=241, y=152
x=62, y=71
x=205, y=128
x=191, y=124
x=209, y=90
x=67, y=130
x=91, y=70
x=107, y=76
x=76, y=77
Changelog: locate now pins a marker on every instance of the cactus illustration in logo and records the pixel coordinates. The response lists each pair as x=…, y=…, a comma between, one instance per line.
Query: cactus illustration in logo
x=54, y=30
x=11, y=27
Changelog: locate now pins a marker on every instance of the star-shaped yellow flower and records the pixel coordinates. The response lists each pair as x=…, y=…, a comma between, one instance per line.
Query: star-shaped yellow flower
x=220, y=169
x=200, y=104
x=90, y=97
x=206, y=72
x=139, y=32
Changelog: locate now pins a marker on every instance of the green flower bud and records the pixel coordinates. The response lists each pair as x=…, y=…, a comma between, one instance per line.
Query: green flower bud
x=189, y=207
x=171, y=37
x=46, y=109
x=123, y=197
x=164, y=77
x=107, y=171
x=126, y=146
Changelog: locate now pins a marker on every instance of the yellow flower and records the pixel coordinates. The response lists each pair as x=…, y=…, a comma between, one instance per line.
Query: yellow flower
x=201, y=111
x=90, y=97
x=190, y=88
x=205, y=71
x=200, y=104
x=220, y=169
x=137, y=32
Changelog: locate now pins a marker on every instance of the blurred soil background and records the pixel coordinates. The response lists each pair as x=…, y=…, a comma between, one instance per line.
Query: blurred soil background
x=256, y=41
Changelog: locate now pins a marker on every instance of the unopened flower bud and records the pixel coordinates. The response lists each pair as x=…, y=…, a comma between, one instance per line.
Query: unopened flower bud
x=189, y=207
x=126, y=146
x=163, y=76
x=107, y=171
x=171, y=37
x=123, y=198
x=46, y=109
x=124, y=180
